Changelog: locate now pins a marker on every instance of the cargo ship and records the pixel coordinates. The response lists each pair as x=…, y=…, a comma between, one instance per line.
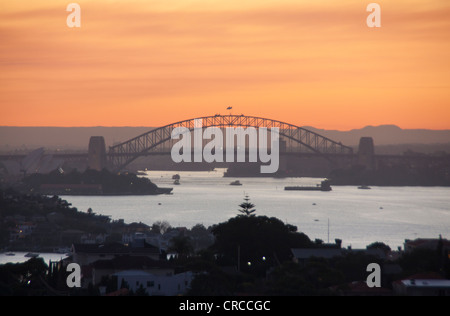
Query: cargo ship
x=323, y=186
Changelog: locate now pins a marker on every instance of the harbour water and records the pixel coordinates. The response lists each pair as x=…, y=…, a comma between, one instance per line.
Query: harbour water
x=20, y=257
x=358, y=217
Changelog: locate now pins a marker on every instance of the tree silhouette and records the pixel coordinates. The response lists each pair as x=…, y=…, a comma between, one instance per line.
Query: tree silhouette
x=256, y=237
x=161, y=227
x=182, y=245
x=247, y=208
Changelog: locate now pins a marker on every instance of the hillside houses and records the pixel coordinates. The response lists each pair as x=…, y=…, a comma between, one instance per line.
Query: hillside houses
x=136, y=266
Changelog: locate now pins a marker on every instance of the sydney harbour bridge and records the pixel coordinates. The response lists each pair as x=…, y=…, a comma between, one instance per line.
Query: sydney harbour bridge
x=293, y=138
x=295, y=142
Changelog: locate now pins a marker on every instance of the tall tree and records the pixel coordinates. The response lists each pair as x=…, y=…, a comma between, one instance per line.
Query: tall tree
x=247, y=208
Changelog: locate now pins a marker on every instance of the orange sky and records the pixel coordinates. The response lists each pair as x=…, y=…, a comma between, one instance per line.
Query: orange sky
x=151, y=63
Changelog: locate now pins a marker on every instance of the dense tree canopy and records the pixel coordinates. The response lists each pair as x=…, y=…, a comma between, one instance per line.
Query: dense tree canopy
x=256, y=238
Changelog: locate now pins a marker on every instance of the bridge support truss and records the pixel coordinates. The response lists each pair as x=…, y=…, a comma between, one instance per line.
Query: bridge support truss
x=122, y=154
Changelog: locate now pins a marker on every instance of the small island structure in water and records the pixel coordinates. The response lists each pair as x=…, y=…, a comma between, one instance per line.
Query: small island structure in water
x=324, y=186
x=91, y=182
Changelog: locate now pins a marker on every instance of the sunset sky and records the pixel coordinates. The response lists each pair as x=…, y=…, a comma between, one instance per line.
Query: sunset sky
x=151, y=63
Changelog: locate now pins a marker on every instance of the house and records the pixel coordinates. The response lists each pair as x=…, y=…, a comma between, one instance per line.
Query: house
x=102, y=268
x=157, y=285
x=426, y=243
x=129, y=238
x=422, y=284
x=21, y=230
x=422, y=287
x=26, y=228
x=93, y=238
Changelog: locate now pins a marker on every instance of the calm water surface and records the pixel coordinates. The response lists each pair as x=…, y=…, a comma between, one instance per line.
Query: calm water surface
x=20, y=257
x=358, y=217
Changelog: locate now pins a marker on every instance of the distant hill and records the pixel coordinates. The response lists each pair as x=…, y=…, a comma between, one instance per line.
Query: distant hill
x=77, y=138
x=387, y=135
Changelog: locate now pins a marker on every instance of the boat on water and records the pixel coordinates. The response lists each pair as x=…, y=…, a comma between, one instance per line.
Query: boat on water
x=323, y=186
x=364, y=187
x=237, y=182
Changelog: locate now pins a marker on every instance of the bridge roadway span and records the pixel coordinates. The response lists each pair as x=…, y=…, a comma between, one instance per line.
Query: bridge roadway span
x=306, y=142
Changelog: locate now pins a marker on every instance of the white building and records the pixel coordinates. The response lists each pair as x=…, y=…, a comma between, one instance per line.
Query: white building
x=422, y=287
x=158, y=285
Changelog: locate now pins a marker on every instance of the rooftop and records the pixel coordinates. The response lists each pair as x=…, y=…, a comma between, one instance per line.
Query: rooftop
x=444, y=284
x=131, y=263
x=424, y=241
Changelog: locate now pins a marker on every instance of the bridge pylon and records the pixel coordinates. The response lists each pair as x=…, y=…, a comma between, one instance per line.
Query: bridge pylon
x=366, y=153
x=97, y=153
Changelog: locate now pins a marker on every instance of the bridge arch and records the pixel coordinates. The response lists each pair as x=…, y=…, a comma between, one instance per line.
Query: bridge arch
x=122, y=154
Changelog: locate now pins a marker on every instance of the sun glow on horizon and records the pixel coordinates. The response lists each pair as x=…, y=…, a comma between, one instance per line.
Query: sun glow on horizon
x=151, y=63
